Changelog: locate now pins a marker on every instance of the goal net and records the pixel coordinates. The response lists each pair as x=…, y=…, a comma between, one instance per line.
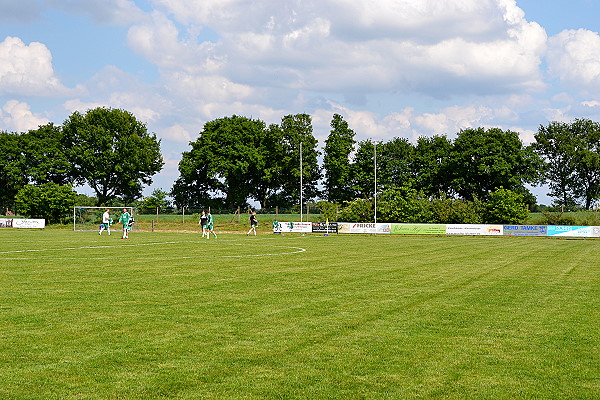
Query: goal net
x=89, y=218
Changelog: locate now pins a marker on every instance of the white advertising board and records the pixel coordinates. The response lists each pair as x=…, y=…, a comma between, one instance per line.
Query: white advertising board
x=360, y=227
x=295, y=227
x=28, y=223
x=474, y=229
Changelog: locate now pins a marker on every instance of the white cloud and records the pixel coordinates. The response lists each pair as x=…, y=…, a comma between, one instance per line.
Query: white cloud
x=17, y=116
x=344, y=46
x=27, y=69
x=574, y=57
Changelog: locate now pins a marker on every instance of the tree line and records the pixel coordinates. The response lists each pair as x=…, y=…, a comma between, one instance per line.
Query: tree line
x=238, y=159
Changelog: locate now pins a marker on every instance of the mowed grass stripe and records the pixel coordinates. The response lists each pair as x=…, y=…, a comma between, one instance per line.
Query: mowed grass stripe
x=351, y=317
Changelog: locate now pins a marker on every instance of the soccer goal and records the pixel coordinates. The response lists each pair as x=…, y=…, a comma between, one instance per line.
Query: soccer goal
x=89, y=218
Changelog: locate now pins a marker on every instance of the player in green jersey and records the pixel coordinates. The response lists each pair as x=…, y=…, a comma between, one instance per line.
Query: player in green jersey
x=125, y=218
x=209, y=225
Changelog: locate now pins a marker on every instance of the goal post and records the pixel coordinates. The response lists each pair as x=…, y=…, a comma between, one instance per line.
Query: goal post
x=87, y=218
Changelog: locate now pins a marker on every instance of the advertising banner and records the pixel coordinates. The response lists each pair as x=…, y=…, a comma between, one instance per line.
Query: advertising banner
x=525, y=230
x=28, y=223
x=293, y=227
x=361, y=227
x=5, y=223
x=573, y=231
x=474, y=229
x=324, y=227
x=419, y=229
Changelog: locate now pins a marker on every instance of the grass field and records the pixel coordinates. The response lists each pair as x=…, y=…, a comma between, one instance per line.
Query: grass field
x=172, y=316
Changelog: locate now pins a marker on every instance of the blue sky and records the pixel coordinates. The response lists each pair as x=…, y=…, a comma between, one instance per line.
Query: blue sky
x=406, y=68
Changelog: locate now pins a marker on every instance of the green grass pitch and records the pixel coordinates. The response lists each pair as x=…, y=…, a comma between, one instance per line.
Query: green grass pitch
x=173, y=316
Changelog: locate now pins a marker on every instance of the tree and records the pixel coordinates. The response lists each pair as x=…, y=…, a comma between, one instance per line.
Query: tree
x=363, y=170
x=403, y=204
x=430, y=165
x=225, y=160
x=112, y=152
x=336, y=161
x=50, y=201
x=156, y=201
x=394, y=164
x=505, y=207
x=298, y=129
x=267, y=189
x=572, y=161
x=12, y=168
x=485, y=160
x=45, y=156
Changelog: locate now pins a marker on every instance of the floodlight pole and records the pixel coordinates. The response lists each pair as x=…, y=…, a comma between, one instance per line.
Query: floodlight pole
x=301, y=182
x=375, y=169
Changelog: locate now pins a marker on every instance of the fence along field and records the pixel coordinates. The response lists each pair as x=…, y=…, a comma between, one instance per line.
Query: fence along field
x=168, y=315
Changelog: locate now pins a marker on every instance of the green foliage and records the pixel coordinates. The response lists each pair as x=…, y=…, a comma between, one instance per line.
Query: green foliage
x=46, y=156
x=336, y=161
x=445, y=210
x=157, y=200
x=430, y=165
x=394, y=163
x=557, y=218
x=483, y=160
x=404, y=205
x=50, y=201
x=12, y=169
x=363, y=169
x=111, y=151
x=358, y=210
x=572, y=155
x=297, y=129
x=329, y=211
x=505, y=207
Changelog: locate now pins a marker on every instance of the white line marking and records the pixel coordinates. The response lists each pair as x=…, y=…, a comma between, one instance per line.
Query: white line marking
x=295, y=250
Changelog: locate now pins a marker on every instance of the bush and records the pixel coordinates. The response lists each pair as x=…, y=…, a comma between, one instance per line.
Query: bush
x=328, y=210
x=455, y=211
x=404, y=205
x=557, y=218
x=505, y=207
x=359, y=210
x=50, y=201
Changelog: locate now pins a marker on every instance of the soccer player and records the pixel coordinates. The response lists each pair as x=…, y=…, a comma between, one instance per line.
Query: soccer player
x=125, y=217
x=253, y=223
x=204, y=222
x=106, y=221
x=209, y=225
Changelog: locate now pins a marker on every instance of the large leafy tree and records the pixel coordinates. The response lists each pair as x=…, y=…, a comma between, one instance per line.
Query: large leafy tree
x=297, y=129
x=431, y=165
x=394, y=164
x=112, y=152
x=267, y=186
x=336, y=161
x=12, y=168
x=572, y=159
x=363, y=169
x=485, y=160
x=224, y=161
x=45, y=157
